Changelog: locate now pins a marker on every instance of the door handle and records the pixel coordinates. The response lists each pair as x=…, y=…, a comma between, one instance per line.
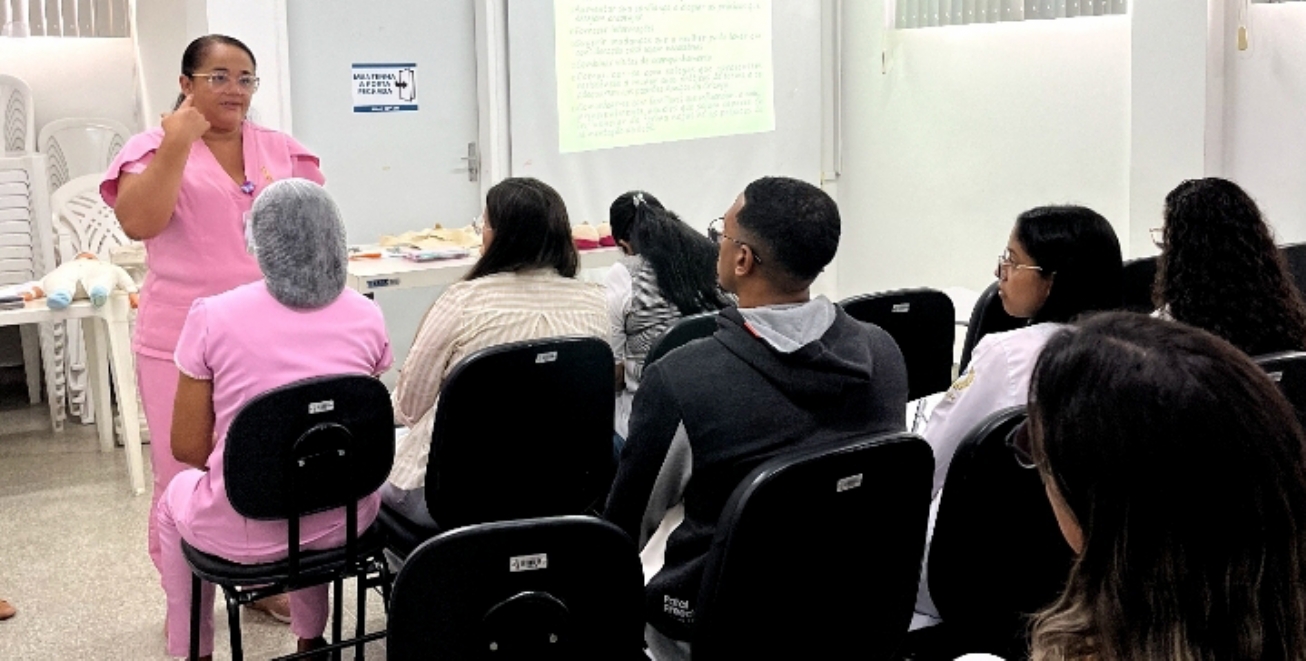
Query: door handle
x=473, y=159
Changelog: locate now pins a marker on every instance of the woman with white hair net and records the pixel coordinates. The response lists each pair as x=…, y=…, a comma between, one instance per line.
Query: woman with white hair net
x=305, y=324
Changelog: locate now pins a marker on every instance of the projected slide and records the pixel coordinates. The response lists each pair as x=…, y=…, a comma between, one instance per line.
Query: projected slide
x=634, y=73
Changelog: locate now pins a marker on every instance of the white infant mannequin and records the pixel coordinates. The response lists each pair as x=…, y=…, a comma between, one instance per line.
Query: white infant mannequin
x=84, y=277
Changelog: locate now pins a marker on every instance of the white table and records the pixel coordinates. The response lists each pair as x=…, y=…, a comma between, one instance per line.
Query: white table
x=391, y=273
x=110, y=339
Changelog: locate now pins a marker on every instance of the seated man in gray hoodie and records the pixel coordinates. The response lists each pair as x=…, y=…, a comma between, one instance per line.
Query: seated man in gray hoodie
x=783, y=372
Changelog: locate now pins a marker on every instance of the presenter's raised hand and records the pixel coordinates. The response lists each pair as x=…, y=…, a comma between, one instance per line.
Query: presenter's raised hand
x=185, y=123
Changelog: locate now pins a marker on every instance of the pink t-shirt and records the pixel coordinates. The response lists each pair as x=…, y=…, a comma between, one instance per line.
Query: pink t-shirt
x=202, y=250
x=247, y=343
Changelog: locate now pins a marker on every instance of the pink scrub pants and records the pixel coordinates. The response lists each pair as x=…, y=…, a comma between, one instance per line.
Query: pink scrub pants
x=308, y=607
x=156, y=379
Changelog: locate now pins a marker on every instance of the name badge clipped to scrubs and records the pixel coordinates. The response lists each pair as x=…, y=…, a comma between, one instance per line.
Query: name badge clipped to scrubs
x=250, y=246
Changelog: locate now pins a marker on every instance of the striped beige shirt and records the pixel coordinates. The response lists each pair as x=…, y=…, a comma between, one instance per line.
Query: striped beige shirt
x=470, y=316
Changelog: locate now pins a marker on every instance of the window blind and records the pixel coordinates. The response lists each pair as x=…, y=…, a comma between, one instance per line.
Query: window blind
x=910, y=14
x=65, y=18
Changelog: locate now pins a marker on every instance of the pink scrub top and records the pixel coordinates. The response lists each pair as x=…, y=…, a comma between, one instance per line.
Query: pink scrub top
x=202, y=250
x=243, y=360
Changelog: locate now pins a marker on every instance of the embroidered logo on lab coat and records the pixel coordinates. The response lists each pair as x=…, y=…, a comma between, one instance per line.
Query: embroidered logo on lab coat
x=960, y=385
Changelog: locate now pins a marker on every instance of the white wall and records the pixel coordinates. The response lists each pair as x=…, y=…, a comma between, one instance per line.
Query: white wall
x=72, y=77
x=162, y=29
x=261, y=25
x=1174, y=84
x=165, y=27
x=1265, y=116
x=958, y=129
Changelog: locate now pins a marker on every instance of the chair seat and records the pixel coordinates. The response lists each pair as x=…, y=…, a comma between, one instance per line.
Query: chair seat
x=402, y=534
x=314, y=566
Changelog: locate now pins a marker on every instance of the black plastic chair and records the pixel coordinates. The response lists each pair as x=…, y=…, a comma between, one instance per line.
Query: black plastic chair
x=817, y=555
x=555, y=588
x=986, y=317
x=311, y=446
x=522, y=430
x=1288, y=370
x=997, y=555
x=1295, y=254
x=923, y=323
x=684, y=331
x=1139, y=274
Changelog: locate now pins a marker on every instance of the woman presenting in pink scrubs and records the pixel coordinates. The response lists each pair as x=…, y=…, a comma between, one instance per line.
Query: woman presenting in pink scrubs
x=185, y=189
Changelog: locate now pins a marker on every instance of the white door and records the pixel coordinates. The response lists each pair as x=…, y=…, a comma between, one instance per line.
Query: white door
x=390, y=172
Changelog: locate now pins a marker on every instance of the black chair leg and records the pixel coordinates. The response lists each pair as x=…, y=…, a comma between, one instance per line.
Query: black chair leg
x=360, y=625
x=386, y=582
x=337, y=613
x=233, y=623
x=195, y=587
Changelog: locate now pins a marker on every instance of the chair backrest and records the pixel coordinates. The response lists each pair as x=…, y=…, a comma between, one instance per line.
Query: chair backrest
x=1139, y=274
x=817, y=554
x=684, y=331
x=997, y=554
x=17, y=117
x=1288, y=370
x=987, y=317
x=523, y=430
x=17, y=240
x=552, y=588
x=83, y=222
x=923, y=323
x=1295, y=254
x=310, y=446
x=79, y=146
x=24, y=209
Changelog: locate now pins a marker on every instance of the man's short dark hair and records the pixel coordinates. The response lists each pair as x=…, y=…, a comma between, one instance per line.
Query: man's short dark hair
x=796, y=223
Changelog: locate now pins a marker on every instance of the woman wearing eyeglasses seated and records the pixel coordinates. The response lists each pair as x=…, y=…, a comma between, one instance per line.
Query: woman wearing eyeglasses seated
x=524, y=287
x=184, y=189
x=1060, y=262
x=298, y=322
x=669, y=272
x=1220, y=271
x=1175, y=469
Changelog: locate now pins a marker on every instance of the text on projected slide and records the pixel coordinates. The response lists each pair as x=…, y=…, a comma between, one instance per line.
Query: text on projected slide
x=635, y=73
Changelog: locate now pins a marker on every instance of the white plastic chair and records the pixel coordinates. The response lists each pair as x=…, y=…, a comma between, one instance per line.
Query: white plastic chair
x=17, y=117
x=18, y=262
x=26, y=251
x=80, y=146
x=82, y=223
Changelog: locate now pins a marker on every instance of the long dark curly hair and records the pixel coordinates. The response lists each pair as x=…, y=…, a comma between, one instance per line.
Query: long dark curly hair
x=1220, y=270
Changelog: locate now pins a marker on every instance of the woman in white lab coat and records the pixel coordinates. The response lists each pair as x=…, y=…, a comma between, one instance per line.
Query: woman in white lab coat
x=1060, y=262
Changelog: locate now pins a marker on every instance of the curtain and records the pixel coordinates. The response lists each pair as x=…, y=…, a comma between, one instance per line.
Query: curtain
x=931, y=13
x=65, y=18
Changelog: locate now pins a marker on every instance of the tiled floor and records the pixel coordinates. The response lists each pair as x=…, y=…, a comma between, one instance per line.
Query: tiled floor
x=72, y=551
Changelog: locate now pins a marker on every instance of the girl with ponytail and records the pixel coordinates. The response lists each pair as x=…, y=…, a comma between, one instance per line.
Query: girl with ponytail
x=669, y=272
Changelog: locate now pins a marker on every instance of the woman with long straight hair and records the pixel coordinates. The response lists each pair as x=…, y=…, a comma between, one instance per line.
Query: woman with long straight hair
x=1175, y=468
x=524, y=287
x=1059, y=262
x=669, y=272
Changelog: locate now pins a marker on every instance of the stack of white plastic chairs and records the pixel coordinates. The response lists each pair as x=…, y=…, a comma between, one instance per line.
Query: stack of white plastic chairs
x=26, y=251
x=78, y=151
